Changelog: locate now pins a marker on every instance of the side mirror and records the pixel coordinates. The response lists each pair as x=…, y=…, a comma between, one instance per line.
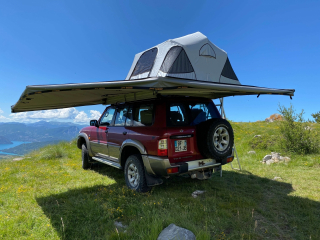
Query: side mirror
x=94, y=123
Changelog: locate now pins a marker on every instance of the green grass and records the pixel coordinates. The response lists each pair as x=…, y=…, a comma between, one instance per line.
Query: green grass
x=54, y=198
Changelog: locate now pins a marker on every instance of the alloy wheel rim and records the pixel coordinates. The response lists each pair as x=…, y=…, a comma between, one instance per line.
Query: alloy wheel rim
x=221, y=139
x=133, y=175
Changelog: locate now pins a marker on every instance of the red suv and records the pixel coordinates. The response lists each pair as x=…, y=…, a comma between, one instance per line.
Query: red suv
x=159, y=138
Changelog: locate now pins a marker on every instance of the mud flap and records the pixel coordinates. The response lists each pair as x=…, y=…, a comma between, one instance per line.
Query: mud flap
x=152, y=180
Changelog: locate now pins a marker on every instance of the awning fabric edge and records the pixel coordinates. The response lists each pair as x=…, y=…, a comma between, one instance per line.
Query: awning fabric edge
x=43, y=97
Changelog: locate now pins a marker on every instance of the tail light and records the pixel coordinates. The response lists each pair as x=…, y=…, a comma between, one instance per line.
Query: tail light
x=229, y=159
x=162, y=147
x=172, y=170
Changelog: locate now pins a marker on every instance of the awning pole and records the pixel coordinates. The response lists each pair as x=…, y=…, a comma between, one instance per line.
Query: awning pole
x=223, y=115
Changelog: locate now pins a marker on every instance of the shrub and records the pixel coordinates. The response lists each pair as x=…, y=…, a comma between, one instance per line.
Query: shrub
x=53, y=151
x=265, y=142
x=296, y=135
x=316, y=117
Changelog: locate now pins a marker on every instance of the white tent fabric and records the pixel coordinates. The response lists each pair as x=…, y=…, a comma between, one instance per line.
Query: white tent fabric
x=209, y=62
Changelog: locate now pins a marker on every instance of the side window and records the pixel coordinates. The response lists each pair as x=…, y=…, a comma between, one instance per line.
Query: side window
x=129, y=117
x=121, y=116
x=178, y=115
x=107, y=117
x=143, y=115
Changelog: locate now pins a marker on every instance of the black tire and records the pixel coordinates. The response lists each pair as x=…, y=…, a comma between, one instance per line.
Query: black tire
x=135, y=166
x=86, y=159
x=211, y=142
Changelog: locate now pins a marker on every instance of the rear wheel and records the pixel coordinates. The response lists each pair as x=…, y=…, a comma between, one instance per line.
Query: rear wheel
x=134, y=174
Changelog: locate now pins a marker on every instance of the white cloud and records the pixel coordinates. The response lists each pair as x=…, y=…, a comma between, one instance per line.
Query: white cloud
x=57, y=114
x=95, y=114
x=82, y=117
x=3, y=118
x=64, y=114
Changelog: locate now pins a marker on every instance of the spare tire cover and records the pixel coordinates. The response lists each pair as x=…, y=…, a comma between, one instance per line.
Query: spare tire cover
x=215, y=139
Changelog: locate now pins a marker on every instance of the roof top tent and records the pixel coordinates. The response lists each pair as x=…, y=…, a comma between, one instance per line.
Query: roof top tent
x=190, y=57
x=187, y=66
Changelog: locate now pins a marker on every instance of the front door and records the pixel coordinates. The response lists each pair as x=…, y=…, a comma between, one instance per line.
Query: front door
x=99, y=143
x=117, y=133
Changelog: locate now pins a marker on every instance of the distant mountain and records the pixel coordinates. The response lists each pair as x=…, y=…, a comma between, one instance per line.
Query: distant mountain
x=4, y=140
x=45, y=124
x=40, y=131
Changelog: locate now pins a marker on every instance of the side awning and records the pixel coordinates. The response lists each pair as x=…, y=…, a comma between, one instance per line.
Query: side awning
x=44, y=97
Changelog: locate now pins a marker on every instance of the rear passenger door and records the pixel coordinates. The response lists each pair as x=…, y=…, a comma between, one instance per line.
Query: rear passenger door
x=118, y=133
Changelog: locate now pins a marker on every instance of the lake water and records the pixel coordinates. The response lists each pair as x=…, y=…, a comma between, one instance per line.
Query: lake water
x=6, y=146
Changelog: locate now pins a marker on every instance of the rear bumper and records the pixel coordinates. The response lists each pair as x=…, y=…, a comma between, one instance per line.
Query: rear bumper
x=158, y=166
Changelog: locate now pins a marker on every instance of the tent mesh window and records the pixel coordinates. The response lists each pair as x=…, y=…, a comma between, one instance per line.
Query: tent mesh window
x=145, y=62
x=176, y=61
x=228, y=71
x=207, y=51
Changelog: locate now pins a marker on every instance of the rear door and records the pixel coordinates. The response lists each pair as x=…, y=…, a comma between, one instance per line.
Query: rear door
x=181, y=142
x=182, y=118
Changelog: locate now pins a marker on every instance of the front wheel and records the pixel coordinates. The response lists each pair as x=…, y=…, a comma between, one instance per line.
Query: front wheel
x=86, y=159
x=134, y=174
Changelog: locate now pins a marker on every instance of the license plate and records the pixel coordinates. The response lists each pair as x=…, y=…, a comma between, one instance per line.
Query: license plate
x=180, y=145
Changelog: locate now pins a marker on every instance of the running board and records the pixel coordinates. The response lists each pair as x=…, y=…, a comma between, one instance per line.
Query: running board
x=108, y=162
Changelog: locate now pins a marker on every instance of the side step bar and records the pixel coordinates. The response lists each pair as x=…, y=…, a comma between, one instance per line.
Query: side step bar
x=108, y=162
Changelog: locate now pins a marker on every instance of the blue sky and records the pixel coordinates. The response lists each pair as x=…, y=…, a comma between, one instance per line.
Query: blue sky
x=269, y=44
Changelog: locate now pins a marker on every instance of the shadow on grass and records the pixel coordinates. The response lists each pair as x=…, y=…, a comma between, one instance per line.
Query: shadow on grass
x=239, y=204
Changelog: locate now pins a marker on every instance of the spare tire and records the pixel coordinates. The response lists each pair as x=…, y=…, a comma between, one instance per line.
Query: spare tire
x=215, y=138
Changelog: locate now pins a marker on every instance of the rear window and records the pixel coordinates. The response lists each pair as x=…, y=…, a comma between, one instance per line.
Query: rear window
x=189, y=114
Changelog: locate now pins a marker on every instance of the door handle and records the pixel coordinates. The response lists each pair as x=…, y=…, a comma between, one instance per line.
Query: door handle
x=106, y=131
x=124, y=133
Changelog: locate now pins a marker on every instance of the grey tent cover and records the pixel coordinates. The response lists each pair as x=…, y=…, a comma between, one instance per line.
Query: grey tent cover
x=186, y=66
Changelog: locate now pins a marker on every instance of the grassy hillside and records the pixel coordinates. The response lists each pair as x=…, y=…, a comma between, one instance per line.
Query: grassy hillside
x=49, y=196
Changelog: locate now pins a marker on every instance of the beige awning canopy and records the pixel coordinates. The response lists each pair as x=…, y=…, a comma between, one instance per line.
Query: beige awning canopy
x=43, y=97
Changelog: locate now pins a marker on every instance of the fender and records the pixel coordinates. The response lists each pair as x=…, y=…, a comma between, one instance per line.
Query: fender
x=137, y=144
x=85, y=136
x=133, y=143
